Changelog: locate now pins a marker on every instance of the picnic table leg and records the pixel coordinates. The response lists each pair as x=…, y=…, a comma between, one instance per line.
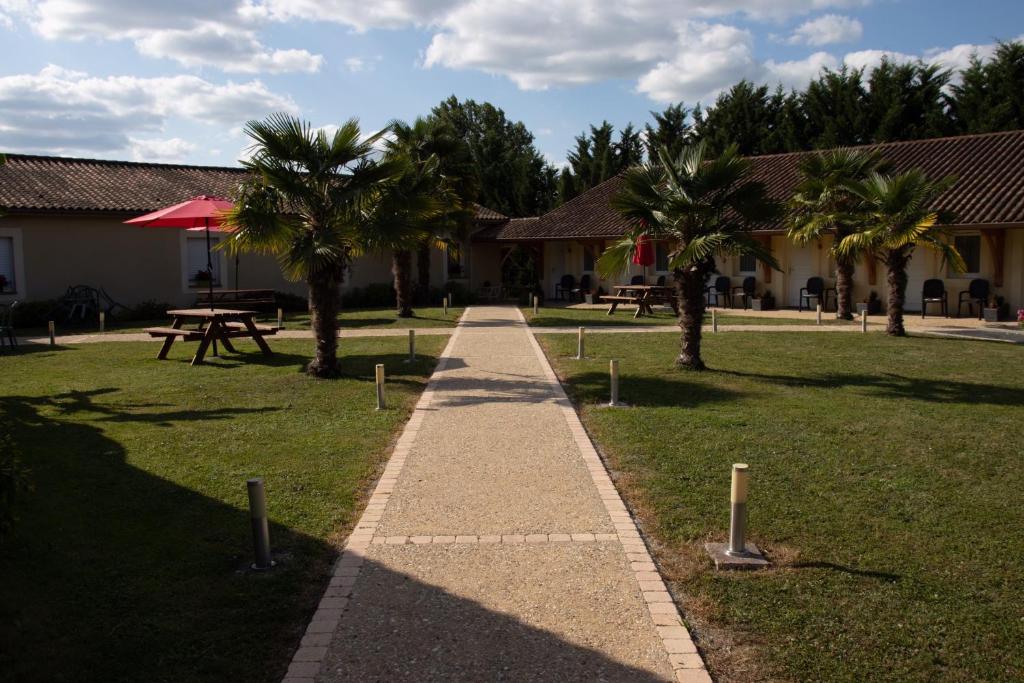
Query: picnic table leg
x=166, y=346
x=611, y=309
x=208, y=336
x=228, y=346
x=257, y=337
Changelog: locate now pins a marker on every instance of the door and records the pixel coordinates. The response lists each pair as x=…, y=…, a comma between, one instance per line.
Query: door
x=802, y=265
x=920, y=268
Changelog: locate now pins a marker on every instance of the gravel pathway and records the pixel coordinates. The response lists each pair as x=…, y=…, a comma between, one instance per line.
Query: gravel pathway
x=495, y=546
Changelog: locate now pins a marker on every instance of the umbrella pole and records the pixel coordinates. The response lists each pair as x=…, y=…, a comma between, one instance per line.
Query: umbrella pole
x=209, y=280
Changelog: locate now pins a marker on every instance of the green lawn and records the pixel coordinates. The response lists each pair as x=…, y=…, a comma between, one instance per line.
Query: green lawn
x=349, y=319
x=592, y=317
x=886, y=480
x=130, y=561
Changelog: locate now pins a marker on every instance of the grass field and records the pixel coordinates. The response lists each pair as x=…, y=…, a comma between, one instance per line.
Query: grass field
x=593, y=317
x=130, y=560
x=886, y=488
x=348, y=320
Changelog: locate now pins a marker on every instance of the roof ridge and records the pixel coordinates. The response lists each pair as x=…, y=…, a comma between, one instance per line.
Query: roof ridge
x=117, y=162
x=890, y=143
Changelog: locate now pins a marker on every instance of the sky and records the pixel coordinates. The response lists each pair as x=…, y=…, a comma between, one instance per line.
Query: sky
x=175, y=80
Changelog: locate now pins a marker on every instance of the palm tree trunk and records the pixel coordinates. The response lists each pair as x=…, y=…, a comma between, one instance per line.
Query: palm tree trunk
x=324, y=302
x=423, y=273
x=401, y=268
x=690, y=293
x=896, y=260
x=844, y=289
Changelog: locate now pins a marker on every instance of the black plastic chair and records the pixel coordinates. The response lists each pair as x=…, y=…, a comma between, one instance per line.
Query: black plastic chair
x=934, y=292
x=582, y=289
x=564, y=286
x=7, y=325
x=977, y=293
x=746, y=290
x=637, y=280
x=815, y=289
x=721, y=288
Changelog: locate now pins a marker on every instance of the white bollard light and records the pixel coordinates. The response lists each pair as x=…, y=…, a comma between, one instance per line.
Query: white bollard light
x=53, y=340
x=260, y=526
x=536, y=304
x=613, y=369
x=103, y=321
x=818, y=314
x=738, y=520
x=579, y=345
x=863, y=321
x=444, y=305
x=412, y=346
x=379, y=376
x=714, y=321
x=280, y=318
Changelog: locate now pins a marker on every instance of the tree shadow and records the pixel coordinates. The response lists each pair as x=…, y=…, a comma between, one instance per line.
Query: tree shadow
x=25, y=348
x=454, y=391
x=398, y=627
x=115, y=573
x=891, y=385
x=647, y=391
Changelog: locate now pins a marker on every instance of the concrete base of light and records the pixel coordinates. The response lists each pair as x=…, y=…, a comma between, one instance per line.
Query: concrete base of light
x=753, y=558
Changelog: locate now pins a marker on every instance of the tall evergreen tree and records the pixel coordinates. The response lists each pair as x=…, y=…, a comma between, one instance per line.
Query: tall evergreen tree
x=670, y=131
x=835, y=110
x=990, y=96
x=906, y=102
x=746, y=116
x=596, y=157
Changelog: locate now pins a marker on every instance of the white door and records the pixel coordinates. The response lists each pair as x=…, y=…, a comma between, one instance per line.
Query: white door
x=802, y=265
x=919, y=269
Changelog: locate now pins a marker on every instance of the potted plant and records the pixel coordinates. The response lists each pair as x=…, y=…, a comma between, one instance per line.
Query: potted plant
x=991, y=311
x=872, y=304
x=765, y=302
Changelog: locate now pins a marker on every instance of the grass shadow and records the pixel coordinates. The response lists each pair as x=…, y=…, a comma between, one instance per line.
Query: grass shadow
x=647, y=391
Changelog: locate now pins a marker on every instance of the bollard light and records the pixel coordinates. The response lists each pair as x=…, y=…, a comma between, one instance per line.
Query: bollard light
x=450, y=299
x=863, y=321
x=613, y=369
x=818, y=314
x=444, y=305
x=536, y=304
x=103, y=321
x=280, y=318
x=379, y=376
x=260, y=526
x=579, y=345
x=738, y=522
x=53, y=340
x=412, y=346
x=714, y=321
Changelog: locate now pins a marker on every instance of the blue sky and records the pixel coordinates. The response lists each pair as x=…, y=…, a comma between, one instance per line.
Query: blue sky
x=175, y=81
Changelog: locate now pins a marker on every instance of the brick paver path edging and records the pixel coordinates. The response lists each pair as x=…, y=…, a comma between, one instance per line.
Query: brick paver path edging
x=495, y=546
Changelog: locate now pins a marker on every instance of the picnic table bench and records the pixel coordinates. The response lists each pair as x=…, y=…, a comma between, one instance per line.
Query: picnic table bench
x=237, y=298
x=644, y=296
x=215, y=324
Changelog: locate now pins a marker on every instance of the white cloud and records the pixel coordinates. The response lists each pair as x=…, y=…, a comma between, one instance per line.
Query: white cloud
x=158, y=150
x=826, y=30
x=61, y=111
x=191, y=32
x=798, y=73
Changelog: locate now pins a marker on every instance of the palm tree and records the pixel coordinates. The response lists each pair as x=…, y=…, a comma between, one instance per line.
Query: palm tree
x=418, y=142
x=823, y=203
x=305, y=203
x=900, y=215
x=702, y=207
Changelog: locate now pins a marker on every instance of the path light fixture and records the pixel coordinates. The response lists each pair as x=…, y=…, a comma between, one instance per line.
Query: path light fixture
x=613, y=370
x=53, y=340
x=103, y=321
x=260, y=526
x=818, y=314
x=379, y=377
x=714, y=321
x=579, y=345
x=737, y=553
x=536, y=304
x=280, y=318
x=412, y=346
x=863, y=321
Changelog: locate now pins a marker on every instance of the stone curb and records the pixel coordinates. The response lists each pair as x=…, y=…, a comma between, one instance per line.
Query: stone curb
x=680, y=649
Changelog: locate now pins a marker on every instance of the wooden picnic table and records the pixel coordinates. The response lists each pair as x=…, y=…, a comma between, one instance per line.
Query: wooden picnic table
x=215, y=324
x=644, y=296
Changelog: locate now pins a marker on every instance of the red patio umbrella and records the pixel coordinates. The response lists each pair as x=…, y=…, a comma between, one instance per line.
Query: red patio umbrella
x=644, y=254
x=198, y=213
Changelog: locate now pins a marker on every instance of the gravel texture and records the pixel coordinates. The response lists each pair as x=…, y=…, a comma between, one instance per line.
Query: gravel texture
x=555, y=612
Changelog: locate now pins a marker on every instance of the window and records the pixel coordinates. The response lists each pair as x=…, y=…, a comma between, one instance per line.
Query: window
x=748, y=264
x=588, y=259
x=661, y=257
x=969, y=247
x=456, y=265
x=197, y=261
x=8, y=285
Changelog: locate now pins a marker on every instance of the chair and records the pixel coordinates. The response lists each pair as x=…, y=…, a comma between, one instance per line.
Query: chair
x=815, y=289
x=721, y=288
x=7, y=325
x=661, y=281
x=934, y=292
x=489, y=292
x=582, y=289
x=564, y=286
x=637, y=280
x=977, y=293
x=746, y=290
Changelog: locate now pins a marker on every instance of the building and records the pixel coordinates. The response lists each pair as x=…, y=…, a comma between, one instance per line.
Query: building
x=987, y=200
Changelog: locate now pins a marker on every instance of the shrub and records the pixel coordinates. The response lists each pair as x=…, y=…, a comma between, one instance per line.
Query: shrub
x=293, y=303
x=34, y=313
x=147, y=310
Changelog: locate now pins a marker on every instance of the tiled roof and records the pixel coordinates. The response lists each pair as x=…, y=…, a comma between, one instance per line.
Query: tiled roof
x=486, y=215
x=38, y=183
x=989, y=190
